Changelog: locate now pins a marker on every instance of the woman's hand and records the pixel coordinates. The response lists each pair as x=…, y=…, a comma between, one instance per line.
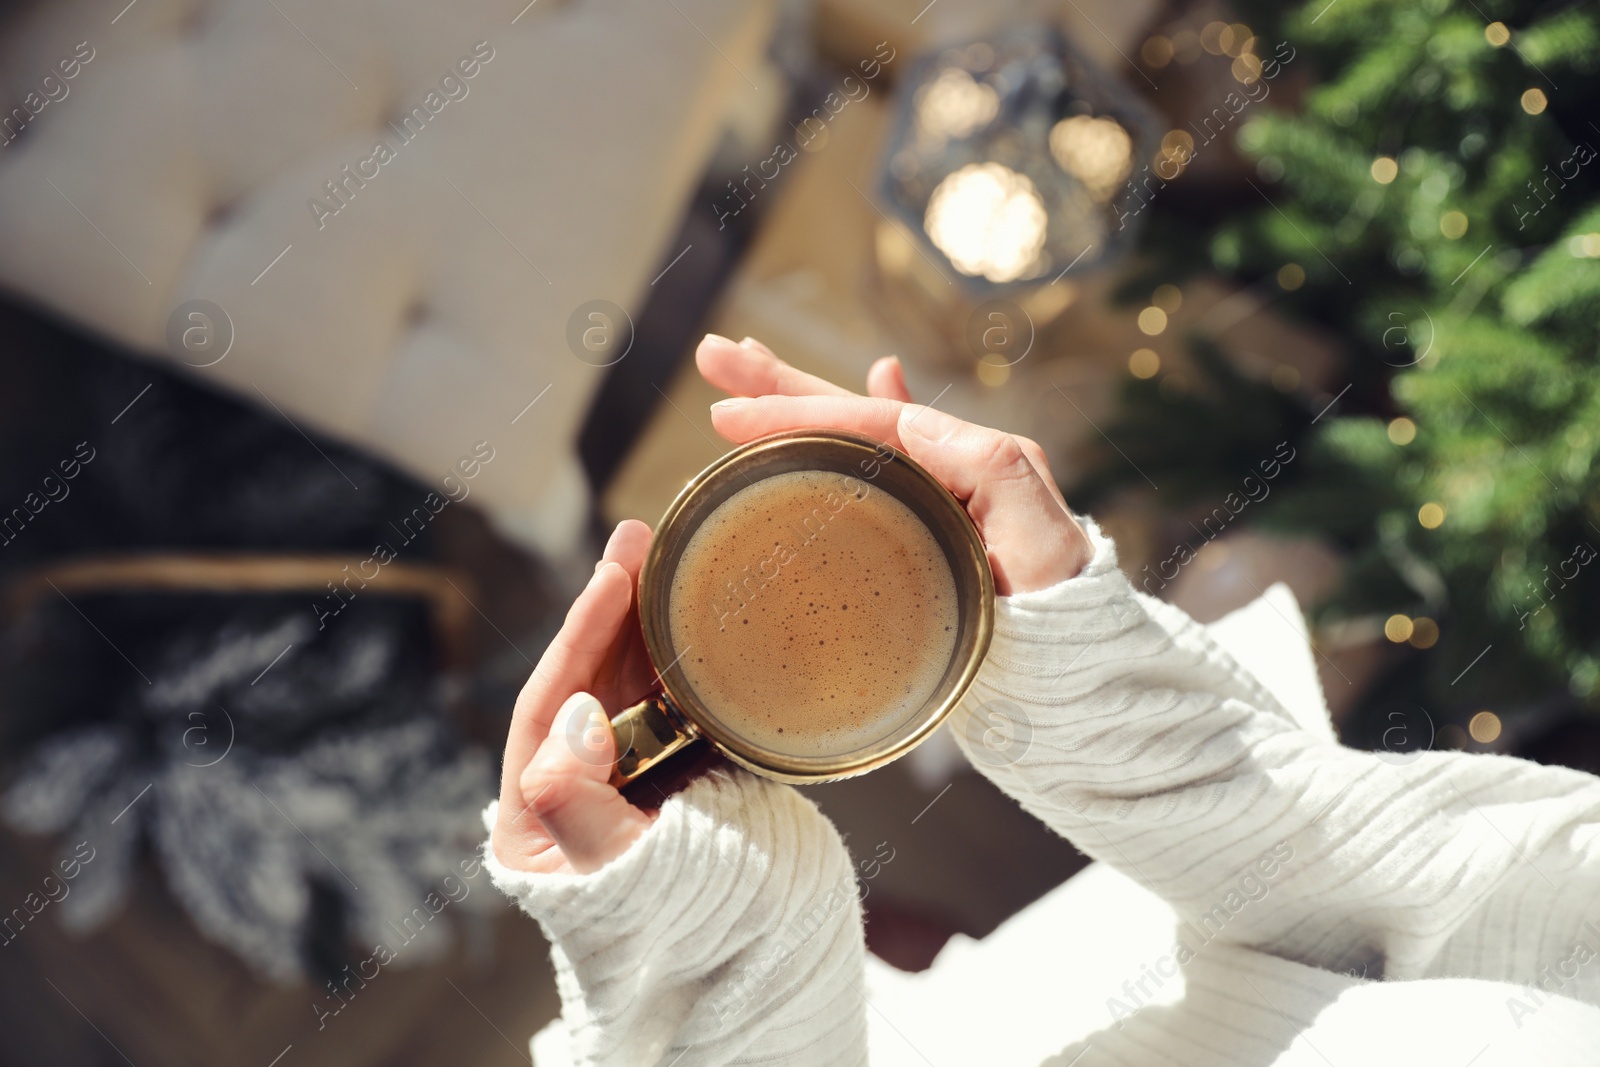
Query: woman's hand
x=558, y=810
x=1003, y=480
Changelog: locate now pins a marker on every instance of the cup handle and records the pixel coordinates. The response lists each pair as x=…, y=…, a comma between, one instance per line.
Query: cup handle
x=647, y=734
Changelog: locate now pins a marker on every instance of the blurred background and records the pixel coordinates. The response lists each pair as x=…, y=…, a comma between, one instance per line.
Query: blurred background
x=335, y=337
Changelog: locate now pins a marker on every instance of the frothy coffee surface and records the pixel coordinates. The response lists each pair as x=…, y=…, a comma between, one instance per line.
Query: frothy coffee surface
x=813, y=612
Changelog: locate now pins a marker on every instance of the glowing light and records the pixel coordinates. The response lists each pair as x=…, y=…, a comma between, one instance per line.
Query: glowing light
x=1584, y=245
x=1237, y=39
x=989, y=220
x=1144, y=363
x=1156, y=52
x=1402, y=431
x=1291, y=276
x=1496, y=34
x=1247, y=69
x=1096, y=151
x=1152, y=320
x=1424, y=632
x=1534, y=101
x=1385, y=170
x=993, y=371
x=1453, y=224
x=1177, y=149
x=1178, y=143
x=1431, y=515
x=954, y=105
x=1484, y=727
x=1398, y=628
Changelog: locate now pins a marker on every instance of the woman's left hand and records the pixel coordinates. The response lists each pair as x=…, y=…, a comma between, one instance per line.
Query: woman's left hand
x=1002, y=479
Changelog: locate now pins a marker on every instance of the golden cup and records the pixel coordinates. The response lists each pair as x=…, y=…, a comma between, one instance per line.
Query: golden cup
x=673, y=718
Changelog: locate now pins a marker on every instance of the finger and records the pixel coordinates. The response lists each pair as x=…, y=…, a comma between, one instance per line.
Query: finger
x=626, y=673
x=567, y=784
x=887, y=420
x=751, y=369
x=887, y=379
x=1033, y=542
x=741, y=420
x=627, y=546
x=592, y=625
x=1041, y=466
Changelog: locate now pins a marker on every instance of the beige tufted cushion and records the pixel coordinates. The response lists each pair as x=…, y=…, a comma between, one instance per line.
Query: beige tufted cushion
x=424, y=316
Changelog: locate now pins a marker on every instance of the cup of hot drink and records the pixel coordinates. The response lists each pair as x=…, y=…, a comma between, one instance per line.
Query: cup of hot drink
x=815, y=604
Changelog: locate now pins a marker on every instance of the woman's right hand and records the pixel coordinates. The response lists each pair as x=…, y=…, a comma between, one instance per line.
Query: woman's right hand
x=1003, y=480
x=559, y=811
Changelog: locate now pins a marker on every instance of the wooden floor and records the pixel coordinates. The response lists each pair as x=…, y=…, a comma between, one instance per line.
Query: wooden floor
x=149, y=990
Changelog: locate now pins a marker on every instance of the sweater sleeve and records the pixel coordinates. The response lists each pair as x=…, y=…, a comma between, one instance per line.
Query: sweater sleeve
x=1121, y=723
x=729, y=933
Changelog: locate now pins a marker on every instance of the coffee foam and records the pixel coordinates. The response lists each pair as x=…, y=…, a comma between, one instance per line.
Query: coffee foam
x=813, y=613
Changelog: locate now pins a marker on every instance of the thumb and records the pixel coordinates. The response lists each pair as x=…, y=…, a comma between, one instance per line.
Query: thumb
x=567, y=784
x=1033, y=542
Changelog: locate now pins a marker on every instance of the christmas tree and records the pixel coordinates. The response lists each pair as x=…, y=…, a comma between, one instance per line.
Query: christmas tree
x=1438, y=191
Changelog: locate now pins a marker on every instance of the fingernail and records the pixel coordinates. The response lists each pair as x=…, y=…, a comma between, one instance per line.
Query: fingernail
x=733, y=403
x=749, y=342
x=577, y=717
x=717, y=338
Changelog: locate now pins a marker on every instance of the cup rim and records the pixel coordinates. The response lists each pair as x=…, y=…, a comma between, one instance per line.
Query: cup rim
x=810, y=769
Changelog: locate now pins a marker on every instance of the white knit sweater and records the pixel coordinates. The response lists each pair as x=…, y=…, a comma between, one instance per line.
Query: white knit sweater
x=1264, y=895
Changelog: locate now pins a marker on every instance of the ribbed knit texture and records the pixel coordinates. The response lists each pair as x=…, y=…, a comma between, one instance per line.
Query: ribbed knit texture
x=1300, y=871
x=1152, y=750
x=729, y=933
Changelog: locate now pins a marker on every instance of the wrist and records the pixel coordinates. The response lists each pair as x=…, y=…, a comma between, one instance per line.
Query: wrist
x=1018, y=574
